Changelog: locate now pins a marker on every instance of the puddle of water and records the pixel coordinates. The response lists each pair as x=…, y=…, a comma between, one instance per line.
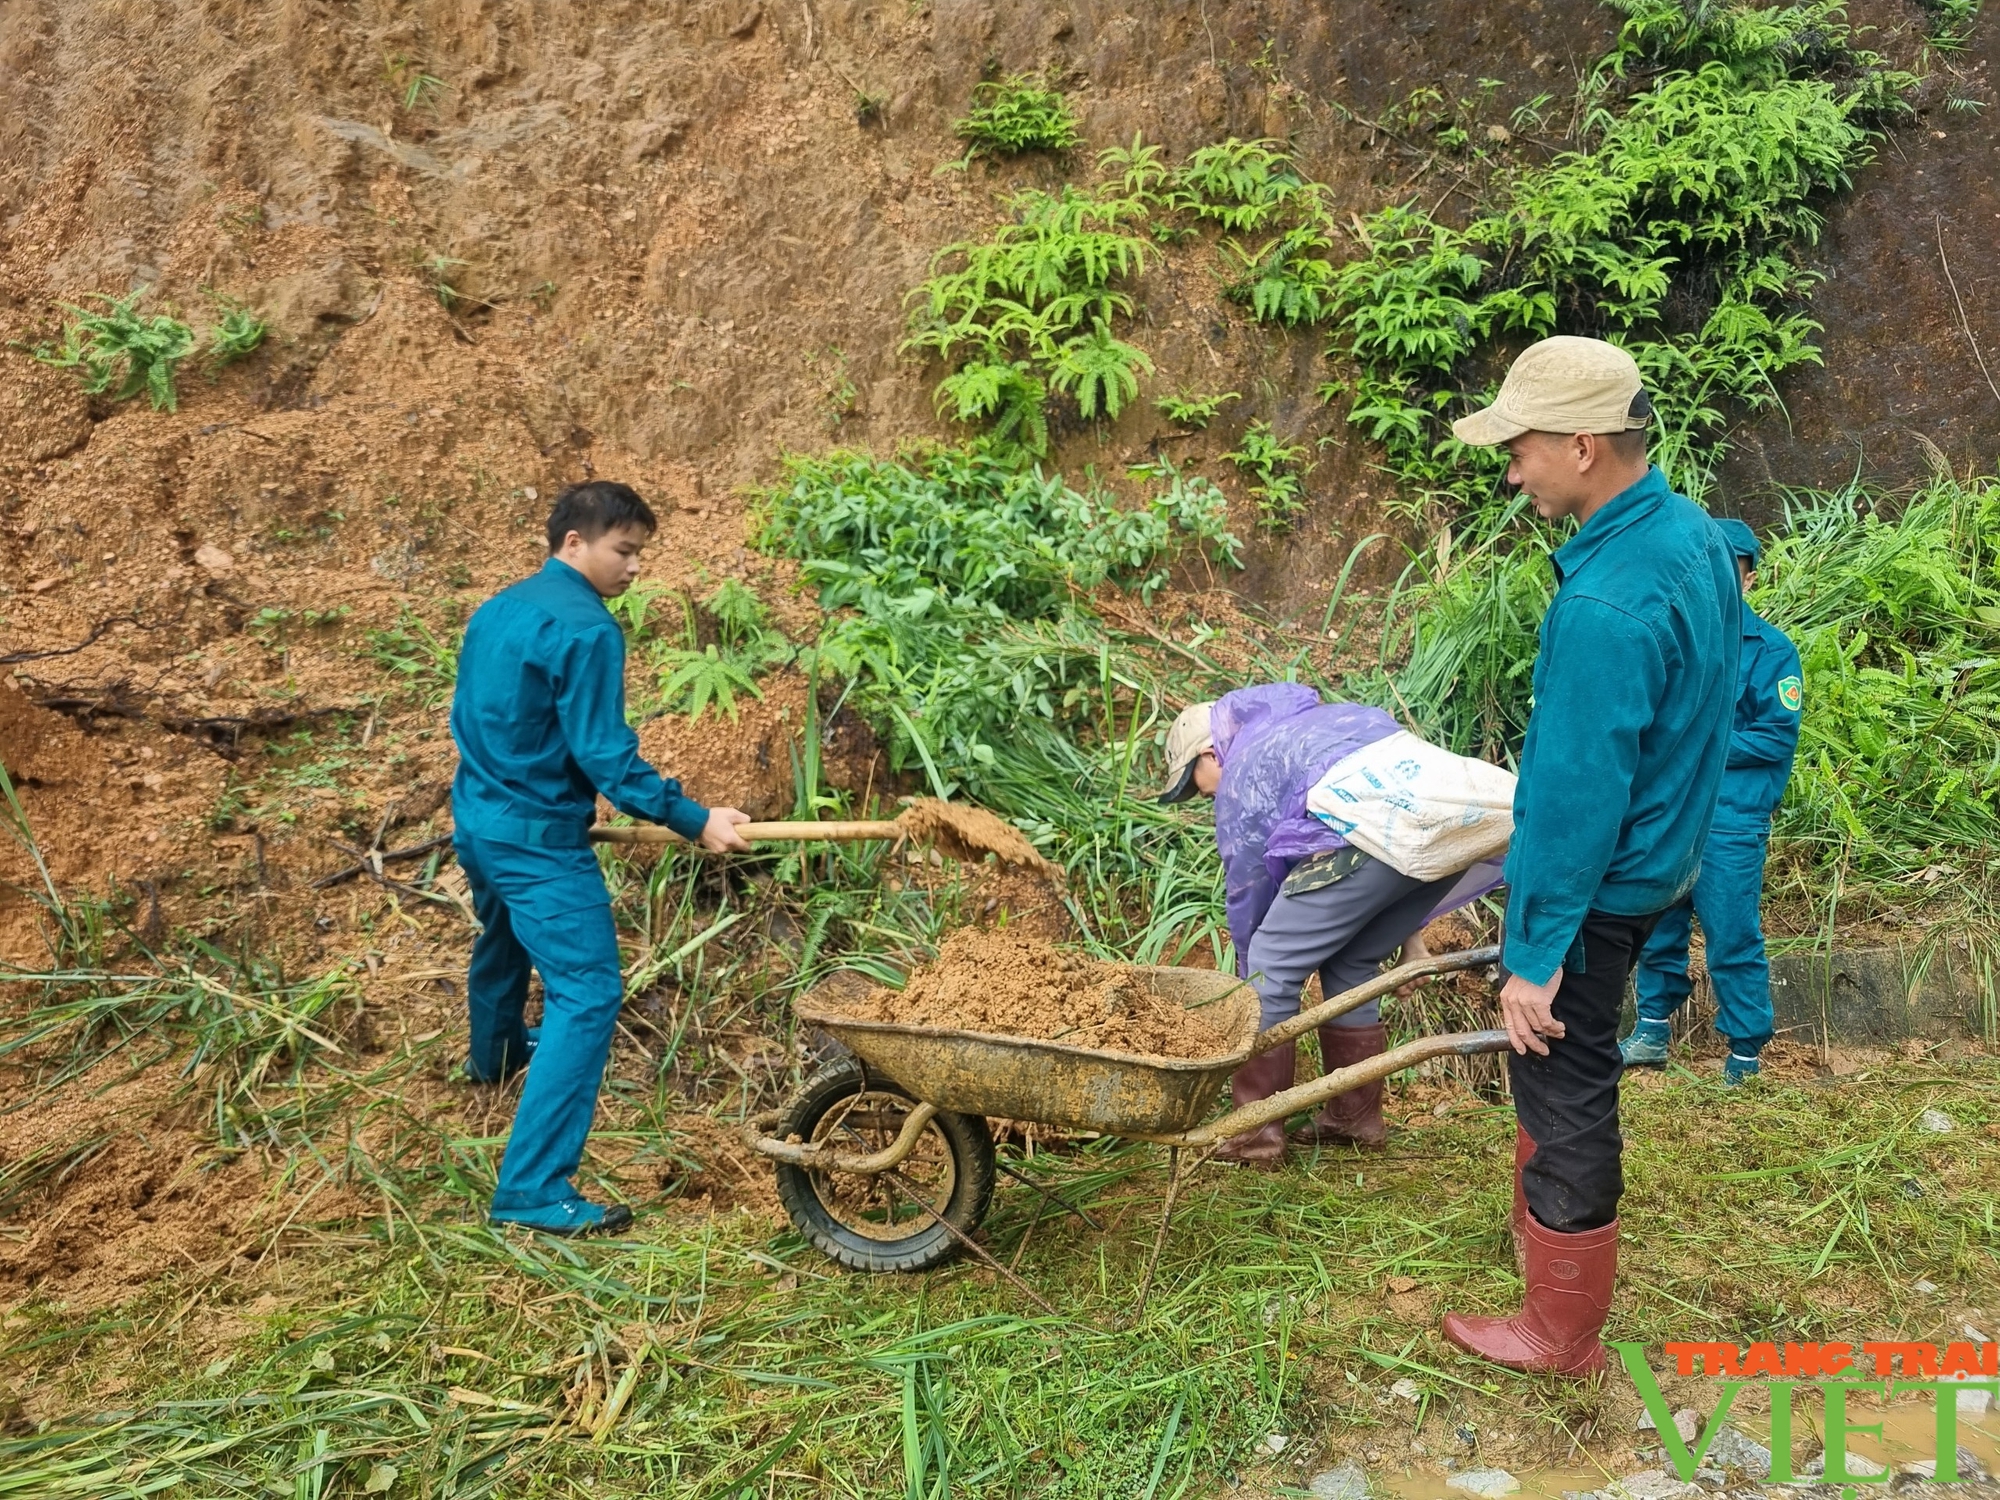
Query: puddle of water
x=1909, y=1434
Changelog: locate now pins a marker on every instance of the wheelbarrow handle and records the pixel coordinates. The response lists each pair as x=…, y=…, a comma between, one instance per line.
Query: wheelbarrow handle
x=1311, y=1095
x=1374, y=989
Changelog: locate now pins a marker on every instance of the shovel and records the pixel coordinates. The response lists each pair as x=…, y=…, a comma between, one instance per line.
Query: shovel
x=965, y=833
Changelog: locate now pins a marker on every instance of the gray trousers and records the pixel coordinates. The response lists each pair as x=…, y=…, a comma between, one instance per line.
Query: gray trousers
x=1343, y=931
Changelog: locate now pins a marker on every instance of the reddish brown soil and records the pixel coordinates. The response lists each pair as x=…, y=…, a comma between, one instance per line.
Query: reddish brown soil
x=970, y=834
x=1006, y=984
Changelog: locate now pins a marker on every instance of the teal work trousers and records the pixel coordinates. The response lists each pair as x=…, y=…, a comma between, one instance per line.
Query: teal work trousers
x=547, y=909
x=1727, y=897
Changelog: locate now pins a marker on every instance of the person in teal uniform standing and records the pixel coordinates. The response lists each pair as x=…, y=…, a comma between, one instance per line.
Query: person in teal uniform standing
x=1729, y=892
x=539, y=718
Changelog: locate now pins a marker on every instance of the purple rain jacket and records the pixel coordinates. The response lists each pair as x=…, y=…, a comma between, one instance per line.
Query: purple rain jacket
x=1273, y=742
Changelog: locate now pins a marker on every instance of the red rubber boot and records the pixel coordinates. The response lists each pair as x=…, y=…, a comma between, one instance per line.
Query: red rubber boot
x=1524, y=1147
x=1568, y=1300
x=1259, y=1078
x=1355, y=1117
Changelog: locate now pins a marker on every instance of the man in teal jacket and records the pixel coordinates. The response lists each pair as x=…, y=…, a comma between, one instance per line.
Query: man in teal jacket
x=1729, y=892
x=539, y=717
x=1633, y=688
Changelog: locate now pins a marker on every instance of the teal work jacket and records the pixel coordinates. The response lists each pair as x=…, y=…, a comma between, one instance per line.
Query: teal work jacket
x=539, y=717
x=1635, y=688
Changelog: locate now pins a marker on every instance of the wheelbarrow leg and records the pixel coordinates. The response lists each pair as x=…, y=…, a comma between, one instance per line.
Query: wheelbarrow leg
x=970, y=1243
x=1160, y=1235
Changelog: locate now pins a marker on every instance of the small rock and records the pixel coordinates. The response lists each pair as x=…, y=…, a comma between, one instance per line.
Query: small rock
x=1408, y=1389
x=1653, y=1484
x=1732, y=1450
x=1969, y=1466
x=1972, y=1402
x=1489, y=1484
x=530, y=492
x=1686, y=1423
x=1272, y=1443
x=1927, y=1288
x=1937, y=1122
x=1400, y=1284
x=1348, y=1482
x=1713, y=1478
x=1857, y=1463
x=213, y=558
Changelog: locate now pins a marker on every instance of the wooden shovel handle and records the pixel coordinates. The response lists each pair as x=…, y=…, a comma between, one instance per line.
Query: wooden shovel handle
x=653, y=833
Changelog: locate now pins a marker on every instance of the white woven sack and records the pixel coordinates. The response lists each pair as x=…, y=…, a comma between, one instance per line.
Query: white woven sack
x=1416, y=807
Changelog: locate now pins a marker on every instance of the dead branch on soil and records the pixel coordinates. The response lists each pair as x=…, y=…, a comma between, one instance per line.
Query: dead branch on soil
x=88, y=641
x=221, y=733
x=370, y=861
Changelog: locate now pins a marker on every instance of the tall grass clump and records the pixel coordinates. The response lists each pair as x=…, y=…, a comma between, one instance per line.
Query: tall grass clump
x=1896, y=614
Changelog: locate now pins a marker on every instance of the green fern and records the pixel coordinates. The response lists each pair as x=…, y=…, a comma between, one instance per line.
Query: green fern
x=1029, y=309
x=1238, y=184
x=237, y=333
x=1099, y=371
x=1288, y=279
x=1194, y=412
x=1013, y=115
x=1279, y=486
x=119, y=352
x=1006, y=395
x=690, y=681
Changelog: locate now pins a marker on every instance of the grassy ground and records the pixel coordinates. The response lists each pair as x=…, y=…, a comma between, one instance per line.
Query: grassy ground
x=420, y=1354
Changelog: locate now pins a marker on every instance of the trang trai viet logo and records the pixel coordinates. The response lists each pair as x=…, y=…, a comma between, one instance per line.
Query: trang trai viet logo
x=1836, y=1371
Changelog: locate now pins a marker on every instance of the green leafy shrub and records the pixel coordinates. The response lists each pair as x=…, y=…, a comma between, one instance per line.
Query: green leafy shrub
x=953, y=578
x=1278, y=482
x=691, y=675
x=1017, y=114
x=1674, y=228
x=691, y=680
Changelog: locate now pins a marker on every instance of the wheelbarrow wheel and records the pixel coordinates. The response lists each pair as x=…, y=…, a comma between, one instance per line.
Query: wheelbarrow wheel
x=877, y=1222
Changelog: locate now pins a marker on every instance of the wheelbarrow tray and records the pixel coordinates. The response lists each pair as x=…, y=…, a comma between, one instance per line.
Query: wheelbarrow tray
x=1050, y=1083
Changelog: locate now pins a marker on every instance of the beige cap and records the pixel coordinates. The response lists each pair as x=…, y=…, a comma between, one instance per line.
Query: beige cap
x=1189, y=736
x=1562, y=385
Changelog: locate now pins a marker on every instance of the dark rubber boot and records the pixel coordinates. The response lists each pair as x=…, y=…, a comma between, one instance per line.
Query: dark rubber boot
x=1524, y=1147
x=1355, y=1117
x=1568, y=1300
x=1260, y=1078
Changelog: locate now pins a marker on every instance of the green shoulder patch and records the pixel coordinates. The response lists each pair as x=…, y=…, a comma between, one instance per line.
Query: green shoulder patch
x=1791, y=692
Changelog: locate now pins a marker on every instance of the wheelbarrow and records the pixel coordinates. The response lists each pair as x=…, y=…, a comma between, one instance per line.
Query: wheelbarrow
x=885, y=1161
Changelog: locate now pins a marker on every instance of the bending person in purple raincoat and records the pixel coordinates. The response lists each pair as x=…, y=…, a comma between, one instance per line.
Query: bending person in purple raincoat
x=1301, y=900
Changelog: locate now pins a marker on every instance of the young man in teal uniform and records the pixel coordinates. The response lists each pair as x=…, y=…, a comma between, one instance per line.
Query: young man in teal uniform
x=1730, y=889
x=539, y=717
x=1633, y=687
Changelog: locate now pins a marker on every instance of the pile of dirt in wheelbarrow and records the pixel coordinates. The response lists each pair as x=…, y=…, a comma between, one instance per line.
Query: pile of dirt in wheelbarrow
x=1008, y=984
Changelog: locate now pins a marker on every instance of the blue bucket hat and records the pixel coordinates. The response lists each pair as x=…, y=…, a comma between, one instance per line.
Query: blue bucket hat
x=1742, y=540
